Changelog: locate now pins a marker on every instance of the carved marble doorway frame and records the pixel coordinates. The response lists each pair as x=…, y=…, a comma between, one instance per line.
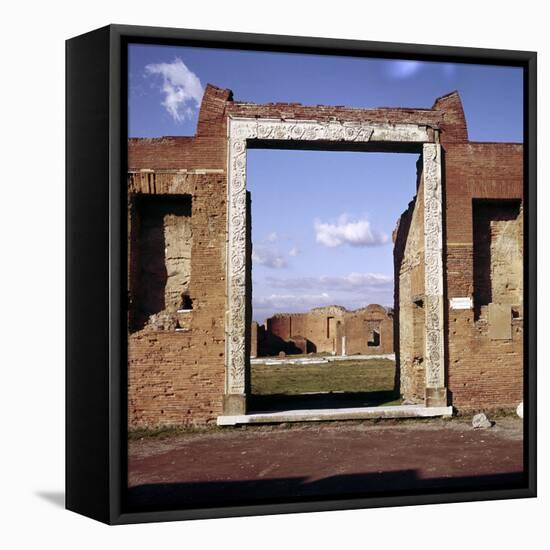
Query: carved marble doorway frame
x=240, y=132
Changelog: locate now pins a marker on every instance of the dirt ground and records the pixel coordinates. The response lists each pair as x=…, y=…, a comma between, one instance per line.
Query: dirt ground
x=322, y=460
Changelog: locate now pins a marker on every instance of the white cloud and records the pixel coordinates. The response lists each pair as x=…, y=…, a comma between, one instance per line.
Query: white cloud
x=181, y=87
x=276, y=293
x=353, y=282
x=300, y=294
x=268, y=257
x=266, y=306
x=267, y=254
x=291, y=300
x=348, y=231
x=402, y=69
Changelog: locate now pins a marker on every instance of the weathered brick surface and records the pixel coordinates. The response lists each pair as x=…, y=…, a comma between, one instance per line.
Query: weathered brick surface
x=175, y=153
x=481, y=372
x=178, y=377
x=409, y=299
x=453, y=122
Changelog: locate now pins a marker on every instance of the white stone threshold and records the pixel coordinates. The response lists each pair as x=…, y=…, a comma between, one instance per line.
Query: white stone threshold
x=353, y=413
x=317, y=360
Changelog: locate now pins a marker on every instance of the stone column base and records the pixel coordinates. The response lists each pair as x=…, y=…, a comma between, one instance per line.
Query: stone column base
x=436, y=397
x=234, y=404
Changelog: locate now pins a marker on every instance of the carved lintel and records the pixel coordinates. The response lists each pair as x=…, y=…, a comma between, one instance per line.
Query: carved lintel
x=332, y=130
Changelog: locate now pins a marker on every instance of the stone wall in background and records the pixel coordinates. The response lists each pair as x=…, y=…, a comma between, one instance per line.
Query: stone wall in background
x=331, y=329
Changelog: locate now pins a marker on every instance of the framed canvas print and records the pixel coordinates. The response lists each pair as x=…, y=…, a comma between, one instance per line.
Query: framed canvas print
x=300, y=274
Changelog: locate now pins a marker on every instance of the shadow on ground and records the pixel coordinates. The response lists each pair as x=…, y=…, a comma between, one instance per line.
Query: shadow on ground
x=163, y=496
x=57, y=498
x=284, y=402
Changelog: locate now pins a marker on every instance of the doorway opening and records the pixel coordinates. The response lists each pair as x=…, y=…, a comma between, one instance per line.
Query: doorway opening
x=322, y=334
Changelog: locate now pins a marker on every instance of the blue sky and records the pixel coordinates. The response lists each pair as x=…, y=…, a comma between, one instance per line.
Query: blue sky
x=321, y=221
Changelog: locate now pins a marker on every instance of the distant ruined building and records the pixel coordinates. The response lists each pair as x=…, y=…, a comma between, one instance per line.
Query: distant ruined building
x=458, y=259
x=330, y=329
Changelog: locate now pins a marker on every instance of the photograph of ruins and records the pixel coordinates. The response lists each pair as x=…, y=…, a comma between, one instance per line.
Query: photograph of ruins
x=325, y=297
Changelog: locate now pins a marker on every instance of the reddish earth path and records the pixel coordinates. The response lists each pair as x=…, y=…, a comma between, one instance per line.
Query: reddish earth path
x=321, y=460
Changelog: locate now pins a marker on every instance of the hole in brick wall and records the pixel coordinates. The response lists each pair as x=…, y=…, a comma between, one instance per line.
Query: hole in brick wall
x=186, y=301
x=330, y=327
x=160, y=260
x=498, y=258
x=374, y=339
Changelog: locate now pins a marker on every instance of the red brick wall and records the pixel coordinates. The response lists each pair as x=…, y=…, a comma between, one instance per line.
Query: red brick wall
x=279, y=326
x=452, y=125
x=482, y=372
x=176, y=153
x=178, y=377
x=424, y=116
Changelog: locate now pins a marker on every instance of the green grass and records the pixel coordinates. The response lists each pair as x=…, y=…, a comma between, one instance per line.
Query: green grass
x=373, y=375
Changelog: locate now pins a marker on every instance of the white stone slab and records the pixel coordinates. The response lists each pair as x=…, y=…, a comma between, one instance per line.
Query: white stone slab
x=318, y=360
x=351, y=413
x=464, y=302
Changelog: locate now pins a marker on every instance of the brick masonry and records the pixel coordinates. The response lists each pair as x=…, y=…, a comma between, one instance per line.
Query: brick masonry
x=482, y=371
x=178, y=376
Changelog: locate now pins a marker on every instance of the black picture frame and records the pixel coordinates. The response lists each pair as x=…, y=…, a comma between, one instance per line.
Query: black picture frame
x=96, y=137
